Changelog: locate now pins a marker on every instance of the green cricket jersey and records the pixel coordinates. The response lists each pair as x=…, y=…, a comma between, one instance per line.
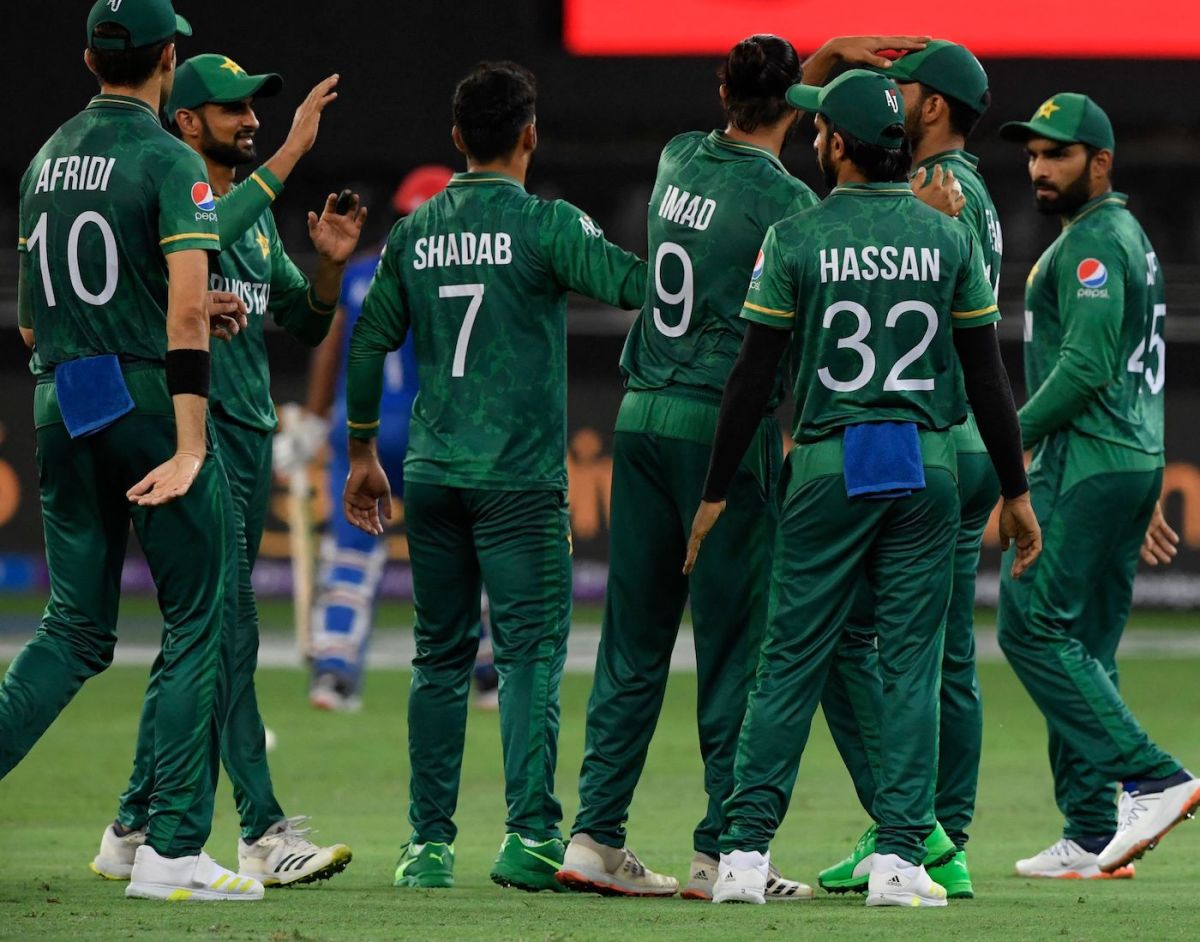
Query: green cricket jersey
x=871, y=281
x=1094, y=350
x=103, y=203
x=254, y=266
x=479, y=274
x=713, y=201
x=979, y=214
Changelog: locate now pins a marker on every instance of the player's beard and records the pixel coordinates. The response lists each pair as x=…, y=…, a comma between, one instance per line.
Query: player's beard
x=825, y=162
x=913, y=128
x=1068, y=199
x=227, y=155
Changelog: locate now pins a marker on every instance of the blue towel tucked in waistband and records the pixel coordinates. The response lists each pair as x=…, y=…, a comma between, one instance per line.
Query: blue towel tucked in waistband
x=882, y=460
x=92, y=393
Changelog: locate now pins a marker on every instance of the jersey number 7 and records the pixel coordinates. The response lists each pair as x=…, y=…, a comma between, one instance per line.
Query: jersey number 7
x=475, y=293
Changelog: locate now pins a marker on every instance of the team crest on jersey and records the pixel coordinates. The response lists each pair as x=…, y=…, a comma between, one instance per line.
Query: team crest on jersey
x=1092, y=273
x=758, y=267
x=202, y=196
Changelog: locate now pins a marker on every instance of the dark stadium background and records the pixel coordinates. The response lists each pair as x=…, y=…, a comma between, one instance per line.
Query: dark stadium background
x=601, y=124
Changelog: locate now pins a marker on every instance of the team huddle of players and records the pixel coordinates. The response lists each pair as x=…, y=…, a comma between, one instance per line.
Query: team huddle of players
x=875, y=305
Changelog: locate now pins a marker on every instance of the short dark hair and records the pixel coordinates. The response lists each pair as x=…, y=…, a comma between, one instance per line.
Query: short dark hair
x=491, y=106
x=757, y=74
x=878, y=164
x=963, y=117
x=128, y=67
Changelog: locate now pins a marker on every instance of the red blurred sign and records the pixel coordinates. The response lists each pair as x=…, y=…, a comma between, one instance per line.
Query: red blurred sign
x=1002, y=28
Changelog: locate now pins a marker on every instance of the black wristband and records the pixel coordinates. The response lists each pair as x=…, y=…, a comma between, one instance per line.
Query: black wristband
x=188, y=372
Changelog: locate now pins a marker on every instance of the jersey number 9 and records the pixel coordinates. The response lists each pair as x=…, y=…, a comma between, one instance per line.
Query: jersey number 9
x=685, y=295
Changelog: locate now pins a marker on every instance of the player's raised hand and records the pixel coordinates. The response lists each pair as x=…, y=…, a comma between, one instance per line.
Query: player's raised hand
x=307, y=119
x=367, y=492
x=334, y=234
x=226, y=314
x=864, y=50
x=943, y=192
x=1161, y=540
x=706, y=516
x=169, y=480
x=1018, y=522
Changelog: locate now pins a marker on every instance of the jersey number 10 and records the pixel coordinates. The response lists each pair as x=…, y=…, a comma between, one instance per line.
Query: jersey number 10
x=38, y=238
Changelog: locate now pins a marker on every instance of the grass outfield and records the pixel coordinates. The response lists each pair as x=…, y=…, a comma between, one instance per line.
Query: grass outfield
x=349, y=773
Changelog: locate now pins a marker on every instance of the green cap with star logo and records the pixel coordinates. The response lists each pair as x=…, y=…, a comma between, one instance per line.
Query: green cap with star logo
x=147, y=22
x=215, y=78
x=1067, y=117
x=946, y=67
x=865, y=104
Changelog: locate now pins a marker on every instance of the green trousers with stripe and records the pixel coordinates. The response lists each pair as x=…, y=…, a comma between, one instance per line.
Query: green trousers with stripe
x=517, y=545
x=853, y=697
x=87, y=519
x=656, y=487
x=829, y=545
x=245, y=454
x=1061, y=622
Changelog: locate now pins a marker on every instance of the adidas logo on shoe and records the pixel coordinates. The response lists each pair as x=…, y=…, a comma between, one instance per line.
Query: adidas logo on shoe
x=730, y=878
x=700, y=875
x=894, y=880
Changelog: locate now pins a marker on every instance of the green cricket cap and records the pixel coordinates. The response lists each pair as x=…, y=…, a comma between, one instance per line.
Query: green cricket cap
x=866, y=104
x=147, y=21
x=216, y=78
x=1068, y=117
x=946, y=67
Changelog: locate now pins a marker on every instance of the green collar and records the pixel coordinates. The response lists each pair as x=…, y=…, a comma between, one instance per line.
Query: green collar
x=955, y=154
x=872, y=189
x=122, y=103
x=484, y=177
x=718, y=139
x=1106, y=199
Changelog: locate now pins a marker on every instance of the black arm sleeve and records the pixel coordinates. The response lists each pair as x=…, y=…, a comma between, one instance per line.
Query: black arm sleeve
x=747, y=393
x=991, y=399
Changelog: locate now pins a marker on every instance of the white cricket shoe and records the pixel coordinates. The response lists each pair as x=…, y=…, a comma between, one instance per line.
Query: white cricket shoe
x=115, y=860
x=896, y=882
x=703, y=874
x=1066, y=860
x=591, y=867
x=742, y=877
x=198, y=878
x=284, y=855
x=1143, y=818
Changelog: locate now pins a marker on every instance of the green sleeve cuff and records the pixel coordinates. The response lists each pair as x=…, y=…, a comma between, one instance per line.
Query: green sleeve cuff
x=181, y=242
x=767, y=316
x=270, y=183
x=364, y=389
x=979, y=318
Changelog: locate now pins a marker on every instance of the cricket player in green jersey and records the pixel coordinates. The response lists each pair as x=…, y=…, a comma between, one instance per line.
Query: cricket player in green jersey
x=945, y=93
x=1095, y=369
x=867, y=288
x=116, y=220
x=715, y=196
x=212, y=105
x=479, y=275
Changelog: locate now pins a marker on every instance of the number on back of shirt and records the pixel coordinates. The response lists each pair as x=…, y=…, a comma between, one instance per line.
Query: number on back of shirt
x=683, y=296
x=1156, y=375
x=894, y=381
x=475, y=293
x=84, y=292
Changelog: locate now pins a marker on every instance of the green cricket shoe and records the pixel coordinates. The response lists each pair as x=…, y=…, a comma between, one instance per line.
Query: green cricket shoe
x=528, y=864
x=955, y=877
x=852, y=874
x=425, y=866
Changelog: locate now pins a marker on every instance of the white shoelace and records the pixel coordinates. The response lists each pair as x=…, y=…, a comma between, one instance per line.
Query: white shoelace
x=294, y=834
x=1129, y=807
